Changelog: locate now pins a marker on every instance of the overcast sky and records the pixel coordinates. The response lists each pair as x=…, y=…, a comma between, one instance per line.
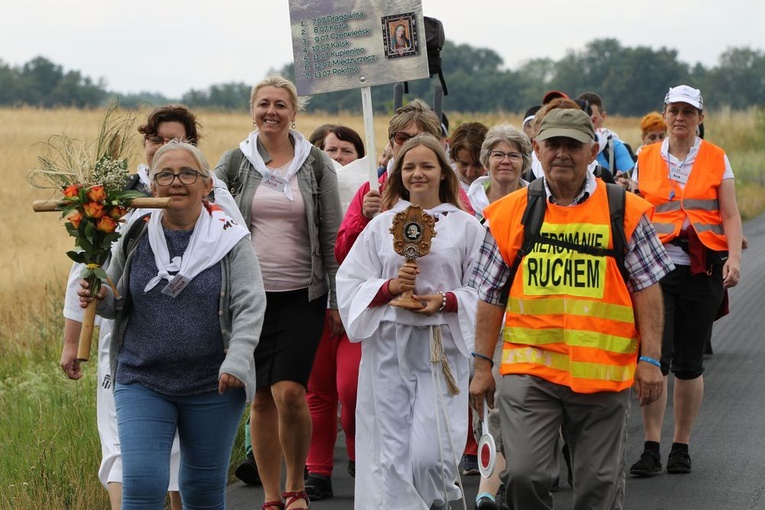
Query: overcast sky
x=171, y=47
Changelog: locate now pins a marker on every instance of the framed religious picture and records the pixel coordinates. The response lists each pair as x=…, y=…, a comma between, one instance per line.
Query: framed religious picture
x=412, y=231
x=400, y=37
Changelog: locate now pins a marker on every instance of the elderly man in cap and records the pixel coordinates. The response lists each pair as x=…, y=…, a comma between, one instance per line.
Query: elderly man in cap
x=578, y=333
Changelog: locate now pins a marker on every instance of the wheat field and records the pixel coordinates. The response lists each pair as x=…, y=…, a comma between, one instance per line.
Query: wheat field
x=34, y=245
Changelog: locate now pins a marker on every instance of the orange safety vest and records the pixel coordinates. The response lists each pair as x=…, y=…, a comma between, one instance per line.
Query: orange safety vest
x=697, y=199
x=569, y=317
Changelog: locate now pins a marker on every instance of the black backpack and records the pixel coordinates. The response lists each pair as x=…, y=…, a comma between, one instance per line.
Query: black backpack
x=534, y=214
x=434, y=41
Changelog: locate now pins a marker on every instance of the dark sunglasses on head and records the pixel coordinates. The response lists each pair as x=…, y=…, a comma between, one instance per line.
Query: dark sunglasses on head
x=400, y=137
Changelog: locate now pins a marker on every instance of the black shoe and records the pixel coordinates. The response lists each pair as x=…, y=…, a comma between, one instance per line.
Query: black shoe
x=679, y=462
x=486, y=504
x=247, y=471
x=470, y=465
x=648, y=465
x=352, y=468
x=318, y=487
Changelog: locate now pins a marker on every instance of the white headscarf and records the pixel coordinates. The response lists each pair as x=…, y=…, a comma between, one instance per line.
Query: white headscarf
x=249, y=148
x=215, y=234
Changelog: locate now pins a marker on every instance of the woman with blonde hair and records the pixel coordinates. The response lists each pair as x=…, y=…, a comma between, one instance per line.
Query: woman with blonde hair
x=286, y=190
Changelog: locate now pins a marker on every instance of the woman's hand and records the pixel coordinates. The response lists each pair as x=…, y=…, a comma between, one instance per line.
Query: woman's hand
x=69, y=362
x=731, y=272
x=228, y=382
x=432, y=303
x=372, y=204
x=407, y=274
x=85, y=296
x=335, y=324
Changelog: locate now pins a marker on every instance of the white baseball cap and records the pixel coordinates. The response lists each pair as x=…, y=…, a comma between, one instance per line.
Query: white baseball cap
x=685, y=94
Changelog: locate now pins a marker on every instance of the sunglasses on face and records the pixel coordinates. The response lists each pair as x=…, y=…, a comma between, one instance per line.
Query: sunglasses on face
x=400, y=137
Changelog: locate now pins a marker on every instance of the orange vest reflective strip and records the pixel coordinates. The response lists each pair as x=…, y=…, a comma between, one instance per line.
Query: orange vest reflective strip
x=569, y=316
x=590, y=377
x=697, y=200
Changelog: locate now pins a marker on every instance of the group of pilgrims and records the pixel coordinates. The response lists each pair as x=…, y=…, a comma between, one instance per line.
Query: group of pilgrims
x=290, y=275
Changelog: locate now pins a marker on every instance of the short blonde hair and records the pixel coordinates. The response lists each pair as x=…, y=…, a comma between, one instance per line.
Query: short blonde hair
x=298, y=102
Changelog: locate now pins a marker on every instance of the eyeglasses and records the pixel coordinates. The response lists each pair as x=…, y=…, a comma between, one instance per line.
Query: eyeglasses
x=161, y=140
x=400, y=137
x=187, y=177
x=512, y=156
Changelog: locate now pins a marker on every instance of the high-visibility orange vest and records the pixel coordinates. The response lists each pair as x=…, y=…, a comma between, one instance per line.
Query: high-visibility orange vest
x=697, y=199
x=569, y=316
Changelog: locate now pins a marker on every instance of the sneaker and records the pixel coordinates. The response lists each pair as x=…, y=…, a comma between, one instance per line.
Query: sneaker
x=318, y=487
x=486, y=504
x=352, y=468
x=470, y=465
x=247, y=471
x=679, y=462
x=648, y=465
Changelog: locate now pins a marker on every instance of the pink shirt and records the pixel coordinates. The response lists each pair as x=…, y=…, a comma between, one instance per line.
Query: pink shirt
x=280, y=237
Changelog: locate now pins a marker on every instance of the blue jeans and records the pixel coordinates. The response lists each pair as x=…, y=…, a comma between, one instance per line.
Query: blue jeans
x=206, y=424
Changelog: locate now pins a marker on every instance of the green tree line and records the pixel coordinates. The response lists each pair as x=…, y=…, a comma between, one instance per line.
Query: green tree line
x=632, y=81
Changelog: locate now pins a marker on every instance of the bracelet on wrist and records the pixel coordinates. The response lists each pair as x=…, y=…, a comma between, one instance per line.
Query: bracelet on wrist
x=650, y=360
x=487, y=358
x=443, y=301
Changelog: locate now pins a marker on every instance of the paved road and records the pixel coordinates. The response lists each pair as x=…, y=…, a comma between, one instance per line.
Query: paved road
x=728, y=448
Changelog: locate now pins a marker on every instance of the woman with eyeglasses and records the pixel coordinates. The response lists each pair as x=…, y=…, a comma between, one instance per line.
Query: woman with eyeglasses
x=165, y=123
x=188, y=309
x=506, y=152
x=287, y=191
x=691, y=184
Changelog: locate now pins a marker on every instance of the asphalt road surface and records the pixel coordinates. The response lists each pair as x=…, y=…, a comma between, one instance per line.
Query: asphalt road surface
x=728, y=443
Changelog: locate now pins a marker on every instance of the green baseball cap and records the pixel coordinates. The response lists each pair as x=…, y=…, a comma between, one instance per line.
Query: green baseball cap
x=568, y=123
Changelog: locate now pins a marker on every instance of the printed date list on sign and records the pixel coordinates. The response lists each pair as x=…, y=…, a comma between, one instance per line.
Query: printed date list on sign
x=348, y=44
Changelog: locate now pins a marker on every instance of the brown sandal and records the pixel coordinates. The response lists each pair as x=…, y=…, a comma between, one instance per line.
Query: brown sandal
x=293, y=497
x=271, y=505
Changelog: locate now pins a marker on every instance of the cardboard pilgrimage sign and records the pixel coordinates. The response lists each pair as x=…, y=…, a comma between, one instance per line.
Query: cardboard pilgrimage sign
x=347, y=44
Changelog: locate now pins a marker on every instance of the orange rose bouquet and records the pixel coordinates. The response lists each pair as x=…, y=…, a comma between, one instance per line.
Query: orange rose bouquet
x=92, y=180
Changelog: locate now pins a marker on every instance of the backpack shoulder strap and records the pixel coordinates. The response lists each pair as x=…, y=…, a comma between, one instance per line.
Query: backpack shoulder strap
x=611, y=153
x=318, y=163
x=532, y=219
x=617, y=198
x=134, y=232
x=233, y=171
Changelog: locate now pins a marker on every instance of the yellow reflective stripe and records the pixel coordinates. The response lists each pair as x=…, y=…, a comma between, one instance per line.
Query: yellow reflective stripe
x=570, y=337
x=550, y=306
x=664, y=228
x=577, y=369
x=706, y=205
x=704, y=227
x=668, y=207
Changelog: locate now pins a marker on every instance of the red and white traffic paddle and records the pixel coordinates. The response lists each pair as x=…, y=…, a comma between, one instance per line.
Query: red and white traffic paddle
x=487, y=448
